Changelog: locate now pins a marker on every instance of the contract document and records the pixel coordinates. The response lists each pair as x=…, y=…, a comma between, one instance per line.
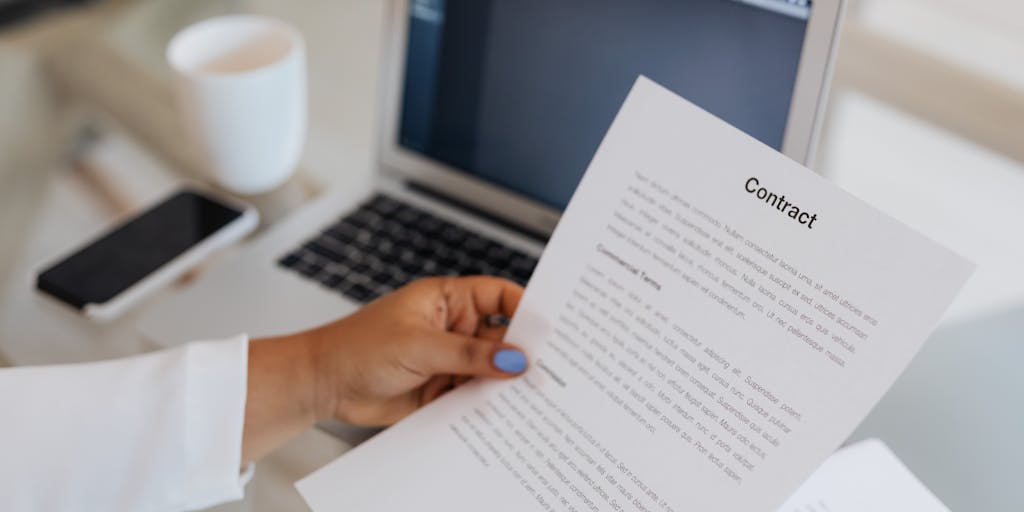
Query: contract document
x=708, y=322
x=864, y=476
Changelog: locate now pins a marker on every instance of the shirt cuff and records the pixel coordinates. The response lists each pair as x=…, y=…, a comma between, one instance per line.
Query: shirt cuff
x=216, y=385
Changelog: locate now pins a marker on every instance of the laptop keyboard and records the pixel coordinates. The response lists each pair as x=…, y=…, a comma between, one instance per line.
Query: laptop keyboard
x=386, y=243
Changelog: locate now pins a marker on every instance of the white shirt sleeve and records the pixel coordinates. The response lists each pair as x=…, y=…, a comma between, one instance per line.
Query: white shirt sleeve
x=157, y=432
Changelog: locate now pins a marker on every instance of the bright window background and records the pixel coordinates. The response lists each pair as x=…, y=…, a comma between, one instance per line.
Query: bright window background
x=927, y=123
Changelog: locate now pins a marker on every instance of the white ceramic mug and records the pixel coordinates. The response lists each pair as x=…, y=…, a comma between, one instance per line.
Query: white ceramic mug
x=241, y=88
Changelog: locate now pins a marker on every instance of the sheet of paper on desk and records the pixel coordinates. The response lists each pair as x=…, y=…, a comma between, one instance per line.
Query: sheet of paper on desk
x=862, y=477
x=709, y=321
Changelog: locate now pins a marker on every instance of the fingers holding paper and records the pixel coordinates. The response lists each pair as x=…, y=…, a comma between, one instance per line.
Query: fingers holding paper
x=410, y=347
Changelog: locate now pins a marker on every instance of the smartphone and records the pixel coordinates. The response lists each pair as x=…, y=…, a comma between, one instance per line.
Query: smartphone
x=110, y=274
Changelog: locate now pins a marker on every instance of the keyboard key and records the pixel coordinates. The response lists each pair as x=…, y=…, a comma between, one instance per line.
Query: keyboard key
x=521, y=267
x=399, y=280
x=339, y=269
x=498, y=255
x=405, y=215
x=289, y=260
x=380, y=277
x=412, y=268
x=324, y=249
x=365, y=217
x=309, y=269
x=388, y=252
x=343, y=231
x=429, y=225
x=360, y=292
x=394, y=230
x=364, y=237
x=331, y=280
x=383, y=205
x=474, y=245
x=451, y=261
x=452, y=235
x=479, y=268
x=424, y=247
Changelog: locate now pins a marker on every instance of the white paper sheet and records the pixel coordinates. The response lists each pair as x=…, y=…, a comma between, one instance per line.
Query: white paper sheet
x=865, y=476
x=693, y=347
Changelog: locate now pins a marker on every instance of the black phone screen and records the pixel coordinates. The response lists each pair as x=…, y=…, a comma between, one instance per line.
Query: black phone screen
x=116, y=261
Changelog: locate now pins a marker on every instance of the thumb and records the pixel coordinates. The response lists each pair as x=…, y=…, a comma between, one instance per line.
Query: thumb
x=458, y=354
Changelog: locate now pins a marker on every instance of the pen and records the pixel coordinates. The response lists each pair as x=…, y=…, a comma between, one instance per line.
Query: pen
x=496, y=321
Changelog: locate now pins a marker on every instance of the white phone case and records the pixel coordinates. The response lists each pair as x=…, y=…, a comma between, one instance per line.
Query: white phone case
x=169, y=272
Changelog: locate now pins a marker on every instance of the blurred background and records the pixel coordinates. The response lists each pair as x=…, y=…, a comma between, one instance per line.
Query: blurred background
x=926, y=122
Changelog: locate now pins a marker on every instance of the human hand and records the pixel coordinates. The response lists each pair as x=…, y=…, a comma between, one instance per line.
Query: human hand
x=405, y=349
x=381, y=363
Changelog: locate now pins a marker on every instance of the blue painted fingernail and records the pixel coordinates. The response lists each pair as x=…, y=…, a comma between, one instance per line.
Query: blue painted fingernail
x=509, y=360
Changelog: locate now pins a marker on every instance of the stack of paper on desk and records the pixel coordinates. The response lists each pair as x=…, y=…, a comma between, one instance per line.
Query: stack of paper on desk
x=710, y=320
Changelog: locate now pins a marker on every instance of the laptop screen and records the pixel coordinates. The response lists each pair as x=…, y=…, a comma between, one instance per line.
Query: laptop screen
x=519, y=93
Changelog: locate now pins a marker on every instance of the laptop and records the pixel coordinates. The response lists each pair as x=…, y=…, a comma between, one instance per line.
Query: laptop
x=492, y=111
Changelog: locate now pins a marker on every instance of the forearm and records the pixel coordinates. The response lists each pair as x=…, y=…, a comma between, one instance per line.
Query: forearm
x=381, y=363
x=280, y=403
